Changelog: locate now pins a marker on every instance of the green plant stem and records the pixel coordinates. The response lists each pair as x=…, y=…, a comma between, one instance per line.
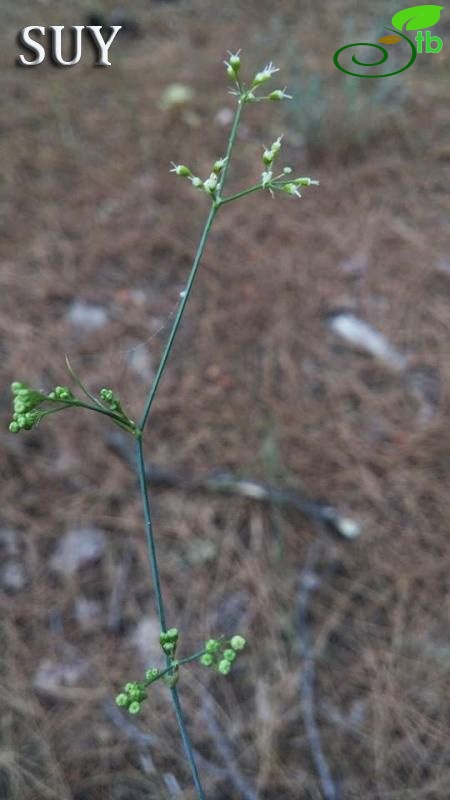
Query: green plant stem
x=160, y=609
x=149, y=534
x=179, y=315
x=175, y=664
x=140, y=465
x=240, y=194
x=187, y=742
x=231, y=141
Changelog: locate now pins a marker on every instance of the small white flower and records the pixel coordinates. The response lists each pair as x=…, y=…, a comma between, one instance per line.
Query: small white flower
x=180, y=169
x=280, y=94
x=265, y=74
x=233, y=65
x=266, y=178
x=219, y=165
x=292, y=189
x=210, y=184
x=276, y=146
x=306, y=182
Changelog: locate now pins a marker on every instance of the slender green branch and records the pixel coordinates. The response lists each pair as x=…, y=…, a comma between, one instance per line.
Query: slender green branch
x=149, y=534
x=231, y=141
x=237, y=196
x=139, y=447
x=160, y=608
x=179, y=315
x=187, y=742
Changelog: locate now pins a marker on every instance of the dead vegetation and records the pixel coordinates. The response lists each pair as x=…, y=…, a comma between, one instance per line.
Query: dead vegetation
x=259, y=385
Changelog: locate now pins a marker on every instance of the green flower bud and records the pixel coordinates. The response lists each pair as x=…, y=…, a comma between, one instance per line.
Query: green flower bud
x=197, y=183
x=206, y=659
x=305, y=182
x=210, y=184
x=122, y=700
x=276, y=146
x=291, y=188
x=180, y=169
x=238, y=643
x=152, y=674
x=229, y=655
x=224, y=666
x=219, y=165
x=14, y=427
x=134, y=708
x=268, y=157
x=235, y=62
x=129, y=687
x=16, y=387
x=279, y=94
x=212, y=646
x=172, y=635
x=265, y=74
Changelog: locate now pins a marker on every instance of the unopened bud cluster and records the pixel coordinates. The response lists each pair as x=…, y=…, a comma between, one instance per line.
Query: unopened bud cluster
x=31, y=405
x=210, y=184
x=220, y=654
x=248, y=94
x=168, y=641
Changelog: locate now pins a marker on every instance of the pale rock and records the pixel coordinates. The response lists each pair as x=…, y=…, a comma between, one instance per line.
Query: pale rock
x=145, y=639
x=88, y=316
x=52, y=676
x=77, y=548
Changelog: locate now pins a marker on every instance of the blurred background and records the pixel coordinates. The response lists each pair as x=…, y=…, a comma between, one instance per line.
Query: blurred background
x=313, y=358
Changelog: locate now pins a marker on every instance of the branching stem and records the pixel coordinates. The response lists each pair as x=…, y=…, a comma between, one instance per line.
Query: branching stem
x=140, y=464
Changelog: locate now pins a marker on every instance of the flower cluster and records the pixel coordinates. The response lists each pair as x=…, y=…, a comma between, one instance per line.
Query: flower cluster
x=168, y=641
x=221, y=653
x=217, y=653
x=27, y=401
x=31, y=405
x=248, y=94
x=210, y=184
x=281, y=182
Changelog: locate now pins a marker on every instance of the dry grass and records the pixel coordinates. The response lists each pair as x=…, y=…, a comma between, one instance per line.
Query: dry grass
x=257, y=385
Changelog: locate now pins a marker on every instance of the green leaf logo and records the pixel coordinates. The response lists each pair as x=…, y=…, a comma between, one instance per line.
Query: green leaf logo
x=417, y=17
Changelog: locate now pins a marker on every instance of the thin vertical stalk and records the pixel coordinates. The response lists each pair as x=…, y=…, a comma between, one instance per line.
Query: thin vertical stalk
x=140, y=464
x=151, y=546
x=161, y=612
x=178, y=317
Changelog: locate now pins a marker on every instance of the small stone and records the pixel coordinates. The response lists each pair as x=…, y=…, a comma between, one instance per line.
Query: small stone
x=13, y=576
x=52, y=676
x=9, y=544
x=140, y=361
x=88, y=316
x=145, y=639
x=224, y=117
x=362, y=336
x=78, y=548
x=88, y=614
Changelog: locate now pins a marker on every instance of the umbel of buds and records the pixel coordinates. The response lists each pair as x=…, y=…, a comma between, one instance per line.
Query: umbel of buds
x=213, y=184
x=220, y=654
x=31, y=405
